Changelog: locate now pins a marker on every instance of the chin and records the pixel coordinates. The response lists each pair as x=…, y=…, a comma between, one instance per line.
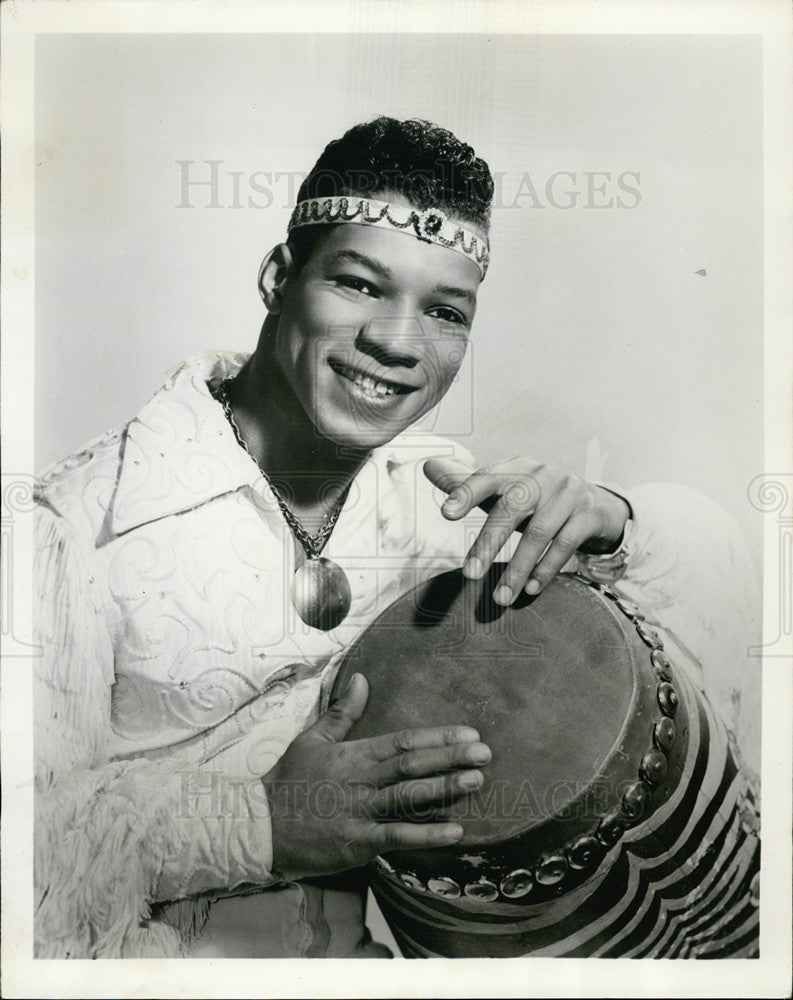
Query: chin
x=357, y=428
x=357, y=436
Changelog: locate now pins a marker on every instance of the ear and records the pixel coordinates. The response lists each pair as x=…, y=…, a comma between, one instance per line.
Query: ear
x=277, y=267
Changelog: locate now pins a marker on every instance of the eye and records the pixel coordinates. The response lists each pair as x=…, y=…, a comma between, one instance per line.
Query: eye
x=355, y=284
x=448, y=315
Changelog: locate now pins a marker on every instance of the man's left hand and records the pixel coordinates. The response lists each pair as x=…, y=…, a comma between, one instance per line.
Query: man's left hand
x=557, y=514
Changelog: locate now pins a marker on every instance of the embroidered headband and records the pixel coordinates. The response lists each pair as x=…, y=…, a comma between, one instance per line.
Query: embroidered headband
x=429, y=226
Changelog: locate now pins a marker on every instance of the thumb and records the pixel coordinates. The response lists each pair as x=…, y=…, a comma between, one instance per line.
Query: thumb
x=446, y=473
x=334, y=724
x=450, y=475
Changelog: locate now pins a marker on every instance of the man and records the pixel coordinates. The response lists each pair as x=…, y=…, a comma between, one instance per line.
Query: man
x=204, y=569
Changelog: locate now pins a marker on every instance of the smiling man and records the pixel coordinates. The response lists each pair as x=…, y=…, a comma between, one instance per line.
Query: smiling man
x=203, y=570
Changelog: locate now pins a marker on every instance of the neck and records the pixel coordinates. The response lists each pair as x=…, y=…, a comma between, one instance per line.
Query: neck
x=311, y=470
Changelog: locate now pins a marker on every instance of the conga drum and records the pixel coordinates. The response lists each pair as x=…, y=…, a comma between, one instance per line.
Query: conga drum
x=614, y=819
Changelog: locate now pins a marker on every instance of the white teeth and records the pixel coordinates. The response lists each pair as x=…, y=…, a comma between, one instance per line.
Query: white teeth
x=373, y=387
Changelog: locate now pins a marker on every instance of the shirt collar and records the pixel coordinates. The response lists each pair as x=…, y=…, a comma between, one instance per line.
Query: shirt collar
x=180, y=450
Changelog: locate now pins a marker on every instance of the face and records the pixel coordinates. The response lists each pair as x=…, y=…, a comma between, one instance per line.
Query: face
x=373, y=330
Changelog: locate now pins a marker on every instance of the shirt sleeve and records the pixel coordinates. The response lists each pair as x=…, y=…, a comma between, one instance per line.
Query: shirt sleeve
x=111, y=837
x=687, y=565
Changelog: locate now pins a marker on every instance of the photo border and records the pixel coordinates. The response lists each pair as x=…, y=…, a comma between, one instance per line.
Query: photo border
x=770, y=975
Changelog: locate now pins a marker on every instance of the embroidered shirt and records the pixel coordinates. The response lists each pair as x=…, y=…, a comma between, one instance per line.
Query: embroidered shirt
x=177, y=672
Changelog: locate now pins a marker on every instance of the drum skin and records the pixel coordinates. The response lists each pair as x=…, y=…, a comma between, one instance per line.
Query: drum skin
x=614, y=818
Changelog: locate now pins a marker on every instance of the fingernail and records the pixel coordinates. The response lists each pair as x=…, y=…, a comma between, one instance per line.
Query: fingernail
x=451, y=503
x=503, y=595
x=454, y=831
x=480, y=754
x=470, y=779
x=533, y=587
x=349, y=685
x=466, y=735
x=473, y=569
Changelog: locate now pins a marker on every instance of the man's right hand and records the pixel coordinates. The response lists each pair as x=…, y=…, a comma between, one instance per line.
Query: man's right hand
x=336, y=805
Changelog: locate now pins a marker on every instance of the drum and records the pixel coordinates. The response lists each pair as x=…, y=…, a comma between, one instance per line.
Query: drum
x=614, y=819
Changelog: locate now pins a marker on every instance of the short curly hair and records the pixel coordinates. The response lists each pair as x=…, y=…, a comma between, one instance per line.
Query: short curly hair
x=422, y=162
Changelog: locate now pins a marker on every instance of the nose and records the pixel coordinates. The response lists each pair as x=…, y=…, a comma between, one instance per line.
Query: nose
x=393, y=341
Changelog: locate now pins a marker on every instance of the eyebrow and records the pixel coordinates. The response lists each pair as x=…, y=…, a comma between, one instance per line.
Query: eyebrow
x=360, y=258
x=454, y=291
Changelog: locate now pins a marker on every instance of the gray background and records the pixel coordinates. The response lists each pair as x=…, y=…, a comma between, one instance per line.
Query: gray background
x=597, y=346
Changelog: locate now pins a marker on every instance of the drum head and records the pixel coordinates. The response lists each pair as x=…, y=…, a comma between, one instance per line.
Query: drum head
x=550, y=683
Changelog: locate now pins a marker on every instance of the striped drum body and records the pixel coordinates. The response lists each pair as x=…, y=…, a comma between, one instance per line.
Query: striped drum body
x=614, y=820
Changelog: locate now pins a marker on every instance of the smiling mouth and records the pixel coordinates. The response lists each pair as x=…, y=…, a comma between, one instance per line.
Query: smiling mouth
x=371, y=385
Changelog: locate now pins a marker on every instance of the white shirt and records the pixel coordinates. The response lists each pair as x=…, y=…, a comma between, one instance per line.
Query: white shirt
x=177, y=671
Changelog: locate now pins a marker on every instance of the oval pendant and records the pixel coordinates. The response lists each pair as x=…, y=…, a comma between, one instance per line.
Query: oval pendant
x=321, y=593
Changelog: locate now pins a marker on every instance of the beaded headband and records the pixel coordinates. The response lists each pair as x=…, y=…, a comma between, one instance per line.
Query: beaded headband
x=429, y=226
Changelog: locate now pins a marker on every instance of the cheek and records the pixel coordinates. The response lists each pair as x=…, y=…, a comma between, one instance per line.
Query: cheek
x=448, y=357
x=297, y=341
x=307, y=334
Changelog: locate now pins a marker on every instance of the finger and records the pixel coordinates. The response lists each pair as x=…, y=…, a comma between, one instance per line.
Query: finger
x=508, y=512
x=475, y=489
x=381, y=748
x=410, y=797
x=446, y=473
x=391, y=836
x=435, y=760
x=482, y=489
x=541, y=532
x=563, y=548
x=334, y=724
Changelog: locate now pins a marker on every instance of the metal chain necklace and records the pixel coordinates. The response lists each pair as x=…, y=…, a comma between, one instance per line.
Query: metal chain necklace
x=320, y=590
